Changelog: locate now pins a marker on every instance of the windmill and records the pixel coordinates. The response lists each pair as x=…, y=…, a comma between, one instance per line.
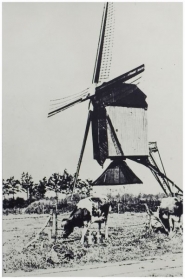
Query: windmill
x=119, y=115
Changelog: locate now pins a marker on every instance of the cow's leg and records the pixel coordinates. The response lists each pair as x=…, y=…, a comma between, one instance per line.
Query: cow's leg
x=106, y=228
x=84, y=231
x=99, y=228
x=181, y=228
x=150, y=224
x=171, y=226
x=181, y=223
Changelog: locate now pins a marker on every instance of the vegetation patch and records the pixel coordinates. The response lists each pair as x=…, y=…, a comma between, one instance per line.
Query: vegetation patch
x=128, y=240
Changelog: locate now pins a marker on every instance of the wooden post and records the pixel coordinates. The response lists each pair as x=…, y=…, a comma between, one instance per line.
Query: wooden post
x=51, y=217
x=56, y=213
x=54, y=225
x=49, y=233
x=56, y=200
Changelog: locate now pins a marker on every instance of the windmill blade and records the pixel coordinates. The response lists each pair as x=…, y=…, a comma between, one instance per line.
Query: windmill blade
x=123, y=78
x=63, y=108
x=105, y=44
x=102, y=63
x=67, y=103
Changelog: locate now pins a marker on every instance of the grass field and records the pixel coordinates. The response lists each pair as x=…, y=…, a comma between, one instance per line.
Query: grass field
x=128, y=240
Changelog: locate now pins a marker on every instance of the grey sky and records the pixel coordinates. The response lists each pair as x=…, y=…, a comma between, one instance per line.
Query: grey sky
x=49, y=52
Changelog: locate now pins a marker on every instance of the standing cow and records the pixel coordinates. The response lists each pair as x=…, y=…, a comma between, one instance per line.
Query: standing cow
x=87, y=211
x=171, y=212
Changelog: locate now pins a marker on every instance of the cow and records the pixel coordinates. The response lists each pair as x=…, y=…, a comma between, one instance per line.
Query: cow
x=171, y=212
x=87, y=211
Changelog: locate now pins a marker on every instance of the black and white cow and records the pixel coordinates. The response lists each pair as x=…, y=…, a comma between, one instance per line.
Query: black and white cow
x=87, y=211
x=171, y=213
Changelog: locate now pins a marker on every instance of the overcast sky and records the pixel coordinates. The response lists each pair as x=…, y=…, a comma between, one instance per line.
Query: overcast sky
x=49, y=51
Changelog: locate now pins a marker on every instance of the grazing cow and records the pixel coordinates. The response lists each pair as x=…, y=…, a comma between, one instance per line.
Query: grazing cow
x=154, y=222
x=87, y=211
x=171, y=212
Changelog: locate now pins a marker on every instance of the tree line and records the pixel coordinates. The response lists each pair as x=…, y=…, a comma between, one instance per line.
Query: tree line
x=64, y=184
x=35, y=191
x=129, y=202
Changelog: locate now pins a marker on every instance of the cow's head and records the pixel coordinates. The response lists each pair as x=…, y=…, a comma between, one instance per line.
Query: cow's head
x=68, y=227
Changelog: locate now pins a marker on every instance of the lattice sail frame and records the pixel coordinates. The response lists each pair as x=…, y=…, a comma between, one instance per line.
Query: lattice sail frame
x=108, y=44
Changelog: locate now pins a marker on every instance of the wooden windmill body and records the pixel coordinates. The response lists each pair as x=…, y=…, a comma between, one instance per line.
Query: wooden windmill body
x=119, y=115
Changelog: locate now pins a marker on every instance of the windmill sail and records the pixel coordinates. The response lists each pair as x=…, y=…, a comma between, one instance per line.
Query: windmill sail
x=101, y=69
x=104, y=51
x=59, y=105
x=102, y=62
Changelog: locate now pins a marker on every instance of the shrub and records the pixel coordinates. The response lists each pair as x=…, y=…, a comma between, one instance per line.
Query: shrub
x=14, y=203
x=41, y=206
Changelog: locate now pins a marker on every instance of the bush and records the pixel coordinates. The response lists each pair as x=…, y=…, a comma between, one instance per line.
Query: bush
x=137, y=207
x=45, y=205
x=130, y=203
x=14, y=203
x=41, y=206
x=20, y=203
x=66, y=206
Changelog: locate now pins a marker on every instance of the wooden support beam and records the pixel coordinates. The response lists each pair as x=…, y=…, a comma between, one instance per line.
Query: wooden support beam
x=146, y=163
x=115, y=136
x=162, y=166
x=157, y=176
x=82, y=150
x=158, y=180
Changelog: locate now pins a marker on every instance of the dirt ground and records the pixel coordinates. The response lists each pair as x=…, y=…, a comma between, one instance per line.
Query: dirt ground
x=149, y=267
x=128, y=241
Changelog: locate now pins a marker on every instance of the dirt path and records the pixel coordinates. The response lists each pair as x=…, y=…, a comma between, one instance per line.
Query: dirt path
x=163, y=266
